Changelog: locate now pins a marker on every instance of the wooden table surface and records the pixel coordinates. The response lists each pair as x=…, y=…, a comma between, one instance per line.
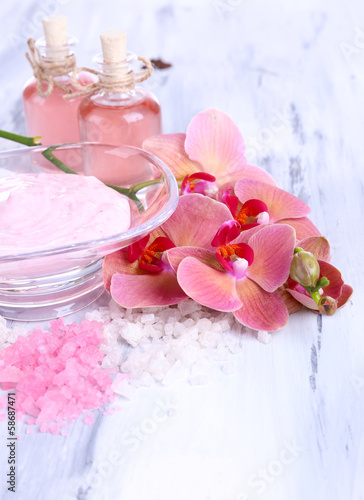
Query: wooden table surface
x=288, y=424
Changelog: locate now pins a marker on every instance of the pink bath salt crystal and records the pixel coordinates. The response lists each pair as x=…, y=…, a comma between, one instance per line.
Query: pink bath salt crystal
x=30, y=421
x=10, y=374
x=53, y=429
x=66, y=391
x=64, y=433
x=102, y=378
x=33, y=385
x=90, y=355
x=29, y=406
x=89, y=419
x=67, y=350
x=58, y=374
x=7, y=386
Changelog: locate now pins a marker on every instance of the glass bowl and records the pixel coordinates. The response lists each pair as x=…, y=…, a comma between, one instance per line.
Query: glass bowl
x=51, y=283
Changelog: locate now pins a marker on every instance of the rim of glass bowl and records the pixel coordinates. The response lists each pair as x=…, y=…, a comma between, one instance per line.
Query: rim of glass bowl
x=130, y=234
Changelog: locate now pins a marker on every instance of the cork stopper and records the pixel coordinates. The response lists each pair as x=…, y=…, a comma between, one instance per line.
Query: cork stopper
x=55, y=30
x=113, y=46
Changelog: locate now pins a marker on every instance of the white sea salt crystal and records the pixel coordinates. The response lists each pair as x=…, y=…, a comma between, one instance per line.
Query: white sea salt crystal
x=264, y=337
x=188, y=323
x=225, y=325
x=168, y=328
x=187, y=337
x=174, y=316
x=132, y=333
x=179, y=329
x=216, y=327
x=203, y=325
x=136, y=361
x=158, y=367
x=232, y=342
x=124, y=389
x=147, y=318
x=188, y=306
x=209, y=339
x=190, y=354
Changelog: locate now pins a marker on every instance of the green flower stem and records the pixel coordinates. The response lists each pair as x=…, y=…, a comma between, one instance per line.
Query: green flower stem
x=21, y=139
x=314, y=290
x=315, y=295
x=141, y=185
x=48, y=153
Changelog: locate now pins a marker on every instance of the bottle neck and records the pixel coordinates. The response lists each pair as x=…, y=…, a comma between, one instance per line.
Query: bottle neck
x=115, y=99
x=117, y=78
x=57, y=61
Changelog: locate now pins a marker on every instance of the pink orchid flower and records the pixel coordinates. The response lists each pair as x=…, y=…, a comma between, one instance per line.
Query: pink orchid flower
x=256, y=203
x=336, y=289
x=212, y=144
x=141, y=275
x=241, y=277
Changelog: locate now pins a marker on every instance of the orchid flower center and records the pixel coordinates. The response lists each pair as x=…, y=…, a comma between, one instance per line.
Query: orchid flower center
x=234, y=257
x=150, y=258
x=251, y=214
x=199, y=182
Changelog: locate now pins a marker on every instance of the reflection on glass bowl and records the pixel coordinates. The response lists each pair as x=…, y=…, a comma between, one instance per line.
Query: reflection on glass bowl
x=52, y=283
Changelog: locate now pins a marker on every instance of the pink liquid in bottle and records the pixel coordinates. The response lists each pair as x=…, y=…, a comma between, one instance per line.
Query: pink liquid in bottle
x=126, y=118
x=53, y=118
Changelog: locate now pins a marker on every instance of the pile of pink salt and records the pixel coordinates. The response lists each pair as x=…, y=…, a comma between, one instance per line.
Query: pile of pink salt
x=57, y=376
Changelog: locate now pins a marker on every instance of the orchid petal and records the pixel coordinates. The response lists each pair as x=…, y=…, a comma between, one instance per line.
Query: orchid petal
x=226, y=233
x=280, y=203
x=334, y=276
x=135, y=249
x=245, y=236
x=292, y=305
x=213, y=140
x=346, y=293
x=161, y=244
x=208, y=286
x=118, y=262
x=146, y=290
x=244, y=251
x=303, y=299
x=176, y=255
x=273, y=249
x=196, y=218
x=318, y=245
x=303, y=226
x=203, y=176
x=231, y=201
x=260, y=310
x=170, y=149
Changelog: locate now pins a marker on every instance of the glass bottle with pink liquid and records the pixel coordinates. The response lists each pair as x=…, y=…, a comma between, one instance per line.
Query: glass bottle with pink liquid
x=48, y=114
x=119, y=112
x=117, y=115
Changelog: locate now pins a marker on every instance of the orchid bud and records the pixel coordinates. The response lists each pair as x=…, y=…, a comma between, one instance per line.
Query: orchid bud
x=305, y=269
x=327, y=306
